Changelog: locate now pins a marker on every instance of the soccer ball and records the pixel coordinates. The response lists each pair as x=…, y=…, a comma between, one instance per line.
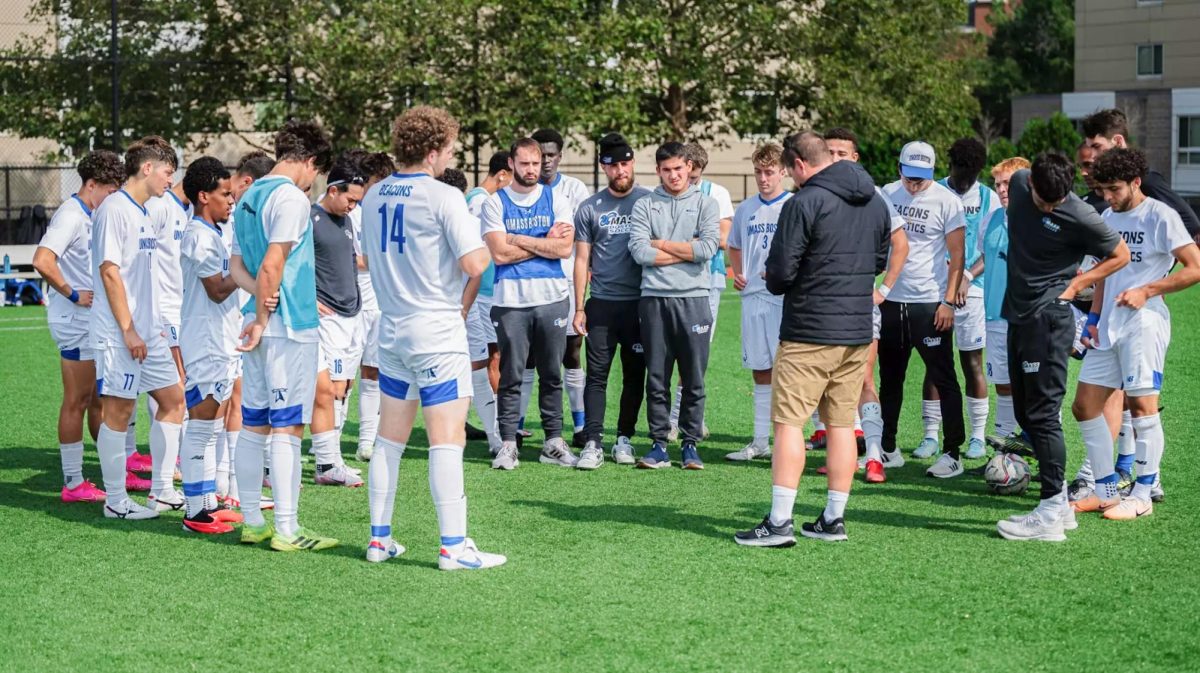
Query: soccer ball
x=1007, y=474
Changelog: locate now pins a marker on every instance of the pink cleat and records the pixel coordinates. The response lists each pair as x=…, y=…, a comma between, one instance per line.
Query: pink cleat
x=136, y=483
x=84, y=492
x=139, y=462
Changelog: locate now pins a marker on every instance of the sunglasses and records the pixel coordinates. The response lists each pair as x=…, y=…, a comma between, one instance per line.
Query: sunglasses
x=356, y=180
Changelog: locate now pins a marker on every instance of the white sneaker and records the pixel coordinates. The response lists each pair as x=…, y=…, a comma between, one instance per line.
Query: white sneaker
x=975, y=449
x=750, y=452
x=591, y=457
x=622, y=452
x=166, y=501
x=128, y=509
x=378, y=552
x=1031, y=527
x=469, y=558
x=494, y=449
x=673, y=434
x=338, y=475
x=506, y=457
x=365, y=452
x=893, y=459
x=928, y=448
x=1067, y=516
x=556, y=452
x=945, y=467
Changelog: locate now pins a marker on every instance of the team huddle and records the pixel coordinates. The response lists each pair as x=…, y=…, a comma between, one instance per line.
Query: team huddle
x=244, y=312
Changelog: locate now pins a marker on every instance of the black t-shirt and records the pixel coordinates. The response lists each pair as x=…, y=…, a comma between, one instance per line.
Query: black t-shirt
x=336, y=266
x=1045, y=249
x=1096, y=201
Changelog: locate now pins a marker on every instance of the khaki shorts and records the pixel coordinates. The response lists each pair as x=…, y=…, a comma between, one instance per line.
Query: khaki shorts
x=814, y=376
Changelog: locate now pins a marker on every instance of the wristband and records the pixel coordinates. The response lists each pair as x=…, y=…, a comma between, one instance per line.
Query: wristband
x=884, y=291
x=968, y=275
x=950, y=304
x=74, y=296
x=1093, y=319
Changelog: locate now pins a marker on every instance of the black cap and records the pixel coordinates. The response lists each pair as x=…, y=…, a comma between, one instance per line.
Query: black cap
x=614, y=148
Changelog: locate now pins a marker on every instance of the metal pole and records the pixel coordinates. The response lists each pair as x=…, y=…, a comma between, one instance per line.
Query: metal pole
x=113, y=53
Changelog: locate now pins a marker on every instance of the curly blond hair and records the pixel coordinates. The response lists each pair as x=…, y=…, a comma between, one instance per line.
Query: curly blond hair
x=421, y=130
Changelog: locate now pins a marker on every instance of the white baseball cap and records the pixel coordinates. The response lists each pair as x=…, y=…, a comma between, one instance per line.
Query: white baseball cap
x=916, y=160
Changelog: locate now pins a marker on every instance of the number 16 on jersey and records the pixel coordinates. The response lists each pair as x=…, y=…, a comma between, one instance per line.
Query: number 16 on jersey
x=396, y=233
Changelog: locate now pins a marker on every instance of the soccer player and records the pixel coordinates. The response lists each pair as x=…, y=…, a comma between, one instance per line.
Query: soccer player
x=674, y=232
x=273, y=255
x=832, y=240
x=132, y=353
x=843, y=146
x=919, y=310
x=610, y=317
x=209, y=320
x=1049, y=231
x=1085, y=158
x=421, y=240
x=529, y=232
x=63, y=258
x=1129, y=329
x=754, y=224
x=338, y=303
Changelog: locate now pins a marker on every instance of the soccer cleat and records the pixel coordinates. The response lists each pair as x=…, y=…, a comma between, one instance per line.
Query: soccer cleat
x=691, y=457
x=1014, y=443
x=128, y=509
x=233, y=503
x=206, y=524
x=657, y=458
x=829, y=531
x=555, y=452
x=303, y=540
x=338, y=475
x=1124, y=482
x=85, y=491
x=474, y=434
x=1156, y=491
x=1129, y=509
x=875, y=473
x=750, y=452
x=379, y=551
x=139, y=462
x=226, y=515
x=136, y=483
x=1079, y=489
x=1031, y=527
x=945, y=467
x=622, y=452
x=506, y=458
x=468, y=558
x=928, y=448
x=893, y=459
x=824, y=469
x=860, y=438
x=257, y=534
x=1093, y=503
x=591, y=457
x=523, y=433
x=975, y=449
x=673, y=434
x=767, y=534
x=817, y=441
x=166, y=501
x=364, y=453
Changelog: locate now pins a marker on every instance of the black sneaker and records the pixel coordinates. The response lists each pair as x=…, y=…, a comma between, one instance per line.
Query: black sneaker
x=830, y=531
x=767, y=534
x=474, y=434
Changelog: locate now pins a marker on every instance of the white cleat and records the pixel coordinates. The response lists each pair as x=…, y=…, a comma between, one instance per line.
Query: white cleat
x=1031, y=527
x=945, y=467
x=622, y=452
x=128, y=509
x=378, y=552
x=166, y=501
x=338, y=475
x=469, y=558
x=749, y=452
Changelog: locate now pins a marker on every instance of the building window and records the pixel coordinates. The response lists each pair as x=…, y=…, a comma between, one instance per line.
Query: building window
x=1149, y=60
x=1189, y=141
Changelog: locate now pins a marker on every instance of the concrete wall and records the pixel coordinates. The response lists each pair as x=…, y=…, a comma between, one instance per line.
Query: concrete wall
x=1107, y=33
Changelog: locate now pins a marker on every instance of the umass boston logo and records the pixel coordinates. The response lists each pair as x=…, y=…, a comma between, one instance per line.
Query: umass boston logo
x=616, y=223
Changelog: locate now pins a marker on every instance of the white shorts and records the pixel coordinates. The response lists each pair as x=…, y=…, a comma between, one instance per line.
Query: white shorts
x=480, y=330
x=279, y=382
x=119, y=375
x=760, y=331
x=434, y=378
x=969, y=330
x=341, y=345
x=876, y=322
x=1135, y=362
x=1080, y=324
x=215, y=380
x=370, y=337
x=171, y=331
x=997, y=352
x=73, y=339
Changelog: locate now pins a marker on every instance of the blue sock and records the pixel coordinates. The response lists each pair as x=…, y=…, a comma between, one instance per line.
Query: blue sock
x=521, y=423
x=1125, y=461
x=577, y=416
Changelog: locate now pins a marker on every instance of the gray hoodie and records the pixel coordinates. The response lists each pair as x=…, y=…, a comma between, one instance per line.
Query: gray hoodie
x=690, y=217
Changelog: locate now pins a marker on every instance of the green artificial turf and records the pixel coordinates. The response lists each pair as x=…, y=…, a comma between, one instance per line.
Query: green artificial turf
x=616, y=570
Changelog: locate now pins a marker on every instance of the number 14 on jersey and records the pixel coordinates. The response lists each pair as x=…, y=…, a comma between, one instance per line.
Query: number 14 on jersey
x=396, y=233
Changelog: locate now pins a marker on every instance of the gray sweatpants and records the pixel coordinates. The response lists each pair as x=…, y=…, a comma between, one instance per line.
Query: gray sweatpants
x=675, y=331
x=540, y=332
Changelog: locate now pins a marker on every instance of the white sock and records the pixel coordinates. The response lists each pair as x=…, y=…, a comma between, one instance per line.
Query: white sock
x=325, y=448
x=200, y=438
x=210, y=465
x=248, y=470
x=872, y=422
x=1126, y=444
x=110, y=445
x=977, y=411
x=783, y=500
x=817, y=424
x=368, y=412
x=449, y=494
x=1006, y=415
x=931, y=415
x=339, y=412
x=857, y=421
x=574, y=381
x=1150, y=444
x=485, y=405
x=762, y=415
x=1085, y=470
x=675, y=403
x=285, y=481
x=835, y=505
x=131, y=436
x=1098, y=443
x=382, y=474
x=222, y=458
x=151, y=408
x=231, y=440
x=164, y=451
x=72, y=463
x=526, y=393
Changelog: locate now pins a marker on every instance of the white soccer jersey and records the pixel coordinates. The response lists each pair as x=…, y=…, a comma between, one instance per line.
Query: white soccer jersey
x=1152, y=230
x=928, y=217
x=122, y=234
x=754, y=224
x=69, y=236
x=574, y=192
x=170, y=218
x=365, y=289
x=227, y=238
x=209, y=330
x=415, y=229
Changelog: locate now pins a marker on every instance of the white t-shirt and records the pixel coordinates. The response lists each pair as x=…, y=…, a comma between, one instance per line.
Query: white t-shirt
x=724, y=210
x=286, y=216
x=365, y=289
x=209, y=329
x=1153, y=231
x=928, y=217
x=69, y=237
x=525, y=292
x=169, y=217
x=227, y=237
x=123, y=234
x=754, y=224
x=574, y=192
x=415, y=230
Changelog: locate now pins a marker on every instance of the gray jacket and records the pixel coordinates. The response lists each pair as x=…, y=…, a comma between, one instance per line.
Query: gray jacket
x=690, y=217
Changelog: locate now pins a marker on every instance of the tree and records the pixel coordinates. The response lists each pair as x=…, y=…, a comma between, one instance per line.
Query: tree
x=1056, y=134
x=1031, y=51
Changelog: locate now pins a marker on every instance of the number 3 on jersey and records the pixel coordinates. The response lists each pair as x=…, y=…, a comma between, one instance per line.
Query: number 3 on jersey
x=396, y=234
